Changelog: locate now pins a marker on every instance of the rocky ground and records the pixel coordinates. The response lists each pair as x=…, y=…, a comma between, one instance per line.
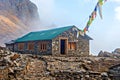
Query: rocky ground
x=15, y=66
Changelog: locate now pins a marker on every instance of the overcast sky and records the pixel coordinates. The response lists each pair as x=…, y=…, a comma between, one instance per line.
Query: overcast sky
x=105, y=32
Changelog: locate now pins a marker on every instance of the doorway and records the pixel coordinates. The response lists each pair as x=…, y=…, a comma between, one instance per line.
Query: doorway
x=63, y=46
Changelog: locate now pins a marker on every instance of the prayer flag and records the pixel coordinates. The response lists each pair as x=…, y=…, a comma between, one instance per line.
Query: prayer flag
x=100, y=10
x=94, y=14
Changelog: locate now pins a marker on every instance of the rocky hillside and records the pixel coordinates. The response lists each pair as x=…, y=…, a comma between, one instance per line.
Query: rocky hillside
x=14, y=66
x=114, y=54
x=16, y=18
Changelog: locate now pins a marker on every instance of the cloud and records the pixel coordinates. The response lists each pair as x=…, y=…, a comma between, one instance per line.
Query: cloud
x=115, y=0
x=44, y=6
x=45, y=9
x=117, y=13
x=87, y=0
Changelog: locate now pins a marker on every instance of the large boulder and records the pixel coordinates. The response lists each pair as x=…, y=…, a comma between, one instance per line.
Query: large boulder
x=105, y=54
x=117, y=51
x=114, y=54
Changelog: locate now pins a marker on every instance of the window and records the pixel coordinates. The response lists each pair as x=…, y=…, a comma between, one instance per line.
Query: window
x=31, y=46
x=72, y=45
x=21, y=46
x=42, y=46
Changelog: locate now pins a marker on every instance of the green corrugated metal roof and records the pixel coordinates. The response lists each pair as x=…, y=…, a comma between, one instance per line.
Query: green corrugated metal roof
x=43, y=35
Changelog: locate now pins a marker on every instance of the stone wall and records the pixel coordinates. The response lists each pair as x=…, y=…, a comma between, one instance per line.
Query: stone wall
x=10, y=47
x=12, y=65
x=82, y=44
x=36, y=50
x=68, y=75
x=114, y=72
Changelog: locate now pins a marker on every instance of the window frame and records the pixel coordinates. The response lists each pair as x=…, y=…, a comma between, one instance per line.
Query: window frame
x=30, y=46
x=21, y=46
x=42, y=46
x=72, y=46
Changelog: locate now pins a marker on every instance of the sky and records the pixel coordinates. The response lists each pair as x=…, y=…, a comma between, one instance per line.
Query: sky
x=105, y=32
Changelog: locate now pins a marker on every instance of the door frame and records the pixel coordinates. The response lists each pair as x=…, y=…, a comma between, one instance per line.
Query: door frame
x=66, y=44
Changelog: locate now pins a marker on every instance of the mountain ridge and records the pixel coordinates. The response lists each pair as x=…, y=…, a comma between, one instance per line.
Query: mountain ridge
x=16, y=18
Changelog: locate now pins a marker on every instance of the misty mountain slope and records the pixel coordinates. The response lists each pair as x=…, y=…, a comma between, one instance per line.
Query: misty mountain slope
x=16, y=18
x=11, y=28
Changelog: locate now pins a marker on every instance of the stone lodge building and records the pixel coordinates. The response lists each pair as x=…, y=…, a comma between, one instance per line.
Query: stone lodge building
x=58, y=41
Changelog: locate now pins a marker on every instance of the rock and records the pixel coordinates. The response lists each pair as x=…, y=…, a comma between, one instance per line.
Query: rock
x=1, y=76
x=105, y=54
x=100, y=53
x=14, y=57
x=114, y=54
x=3, y=62
x=104, y=74
x=117, y=51
x=12, y=65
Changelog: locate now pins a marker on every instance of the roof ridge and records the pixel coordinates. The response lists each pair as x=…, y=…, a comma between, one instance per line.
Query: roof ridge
x=54, y=28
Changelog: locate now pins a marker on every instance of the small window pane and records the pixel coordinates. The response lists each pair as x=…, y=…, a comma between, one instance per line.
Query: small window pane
x=72, y=45
x=42, y=46
x=31, y=46
x=21, y=46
